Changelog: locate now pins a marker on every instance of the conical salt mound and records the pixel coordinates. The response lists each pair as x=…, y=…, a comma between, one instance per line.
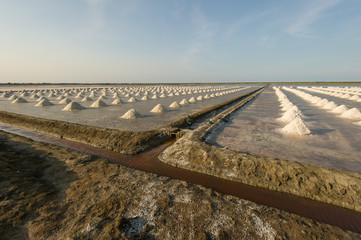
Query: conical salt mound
x=290, y=115
x=171, y=95
x=163, y=96
x=353, y=113
x=117, y=101
x=34, y=96
x=144, y=98
x=200, y=98
x=98, y=104
x=330, y=105
x=323, y=102
x=184, y=102
x=358, y=123
x=65, y=101
x=19, y=100
x=73, y=106
x=287, y=106
x=354, y=98
x=159, y=108
x=131, y=114
x=132, y=100
x=206, y=96
x=43, y=103
x=174, y=105
x=86, y=99
x=340, y=109
x=41, y=98
x=296, y=127
x=154, y=97
x=12, y=98
x=192, y=100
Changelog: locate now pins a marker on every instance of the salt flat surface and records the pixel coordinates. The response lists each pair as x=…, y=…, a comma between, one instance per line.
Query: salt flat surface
x=334, y=142
x=109, y=116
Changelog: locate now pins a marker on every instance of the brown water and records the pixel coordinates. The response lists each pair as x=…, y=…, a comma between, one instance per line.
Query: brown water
x=148, y=161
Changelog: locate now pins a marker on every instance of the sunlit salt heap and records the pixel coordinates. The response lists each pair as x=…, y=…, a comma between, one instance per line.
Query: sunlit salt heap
x=340, y=109
x=19, y=100
x=184, y=102
x=291, y=114
x=174, y=105
x=330, y=105
x=86, y=99
x=192, y=100
x=98, y=104
x=44, y=103
x=132, y=100
x=353, y=113
x=117, y=101
x=65, y=101
x=73, y=106
x=296, y=127
x=131, y=114
x=322, y=102
x=159, y=108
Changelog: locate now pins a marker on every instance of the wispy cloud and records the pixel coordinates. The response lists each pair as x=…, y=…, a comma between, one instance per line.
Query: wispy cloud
x=96, y=14
x=301, y=26
x=205, y=30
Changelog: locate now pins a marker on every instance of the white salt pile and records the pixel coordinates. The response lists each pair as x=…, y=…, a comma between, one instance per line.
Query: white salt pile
x=131, y=114
x=144, y=98
x=340, y=109
x=330, y=105
x=117, y=101
x=86, y=99
x=98, y=104
x=73, y=106
x=44, y=103
x=13, y=97
x=102, y=97
x=174, y=105
x=192, y=100
x=296, y=127
x=163, y=96
x=132, y=100
x=354, y=98
x=65, y=101
x=353, y=113
x=290, y=115
x=159, y=108
x=184, y=102
x=321, y=103
x=41, y=98
x=19, y=100
x=206, y=96
x=287, y=106
x=200, y=98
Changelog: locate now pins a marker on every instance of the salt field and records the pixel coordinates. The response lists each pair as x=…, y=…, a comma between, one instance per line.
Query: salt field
x=314, y=125
x=133, y=108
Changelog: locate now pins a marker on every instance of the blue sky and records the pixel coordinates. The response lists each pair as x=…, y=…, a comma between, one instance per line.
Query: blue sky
x=179, y=40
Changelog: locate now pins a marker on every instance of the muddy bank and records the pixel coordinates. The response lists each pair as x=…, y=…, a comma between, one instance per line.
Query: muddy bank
x=125, y=142
x=323, y=184
x=50, y=192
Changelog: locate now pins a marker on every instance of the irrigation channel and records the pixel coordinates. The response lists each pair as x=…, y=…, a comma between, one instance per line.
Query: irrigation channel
x=148, y=161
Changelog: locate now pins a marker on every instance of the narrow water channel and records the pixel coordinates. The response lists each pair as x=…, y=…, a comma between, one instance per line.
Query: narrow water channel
x=148, y=161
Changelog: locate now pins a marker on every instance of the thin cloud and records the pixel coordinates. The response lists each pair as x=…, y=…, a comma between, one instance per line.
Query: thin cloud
x=301, y=27
x=95, y=16
x=205, y=30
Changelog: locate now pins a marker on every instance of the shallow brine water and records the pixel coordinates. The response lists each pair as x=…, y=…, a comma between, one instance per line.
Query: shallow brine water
x=334, y=142
x=109, y=116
